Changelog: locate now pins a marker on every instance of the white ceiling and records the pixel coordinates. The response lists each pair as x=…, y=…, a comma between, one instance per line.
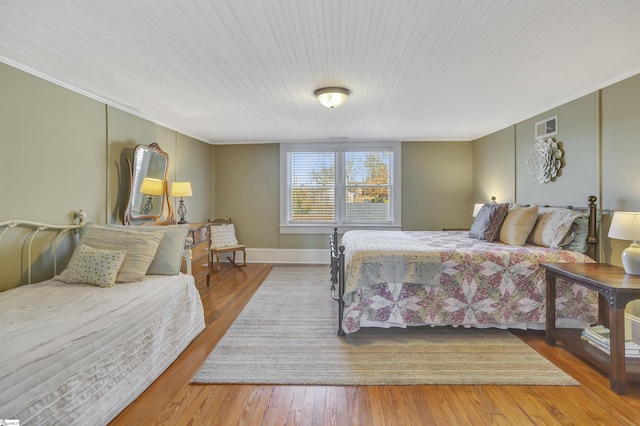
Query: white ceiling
x=244, y=71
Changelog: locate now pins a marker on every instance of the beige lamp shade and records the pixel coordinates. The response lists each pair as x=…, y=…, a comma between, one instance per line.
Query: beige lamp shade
x=626, y=226
x=181, y=189
x=152, y=186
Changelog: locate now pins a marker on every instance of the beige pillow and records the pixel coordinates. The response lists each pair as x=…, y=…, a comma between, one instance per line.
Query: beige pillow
x=518, y=224
x=168, y=258
x=141, y=248
x=554, y=227
x=94, y=266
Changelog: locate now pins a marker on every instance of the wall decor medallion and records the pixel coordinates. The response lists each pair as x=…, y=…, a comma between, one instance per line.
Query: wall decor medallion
x=544, y=160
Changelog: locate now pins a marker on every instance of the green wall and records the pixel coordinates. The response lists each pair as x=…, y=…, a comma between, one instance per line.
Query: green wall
x=600, y=136
x=61, y=152
x=436, y=191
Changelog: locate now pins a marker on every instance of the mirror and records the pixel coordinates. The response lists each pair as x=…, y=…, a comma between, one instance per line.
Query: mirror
x=148, y=189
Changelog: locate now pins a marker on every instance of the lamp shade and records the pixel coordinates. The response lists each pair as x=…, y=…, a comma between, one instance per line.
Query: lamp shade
x=625, y=226
x=332, y=97
x=181, y=189
x=152, y=186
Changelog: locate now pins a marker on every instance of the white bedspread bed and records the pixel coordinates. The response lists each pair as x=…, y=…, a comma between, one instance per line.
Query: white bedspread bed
x=79, y=354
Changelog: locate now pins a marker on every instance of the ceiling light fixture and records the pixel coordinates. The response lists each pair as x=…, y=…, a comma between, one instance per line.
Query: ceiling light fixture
x=332, y=97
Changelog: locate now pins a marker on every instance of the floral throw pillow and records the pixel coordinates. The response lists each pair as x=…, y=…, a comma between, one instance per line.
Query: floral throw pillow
x=94, y=266
x=499, y=214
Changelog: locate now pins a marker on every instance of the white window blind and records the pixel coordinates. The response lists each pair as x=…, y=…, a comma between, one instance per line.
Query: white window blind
x=367, y=183
x=312, y=187
x=352, y=185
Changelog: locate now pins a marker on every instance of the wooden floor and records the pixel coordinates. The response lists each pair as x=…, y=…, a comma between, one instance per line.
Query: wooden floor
x=172, y=400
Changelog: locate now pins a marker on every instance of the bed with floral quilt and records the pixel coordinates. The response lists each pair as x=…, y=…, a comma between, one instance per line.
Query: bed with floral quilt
x=458, y=278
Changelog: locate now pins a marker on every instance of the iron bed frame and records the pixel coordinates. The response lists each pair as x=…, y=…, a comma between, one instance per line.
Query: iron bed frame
x=337, y=265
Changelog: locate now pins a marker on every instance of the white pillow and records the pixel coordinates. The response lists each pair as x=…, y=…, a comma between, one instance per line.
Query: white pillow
x=94, y=266
x=141, y=247
x=223, y=236
x=168, y=258
x=554, y=227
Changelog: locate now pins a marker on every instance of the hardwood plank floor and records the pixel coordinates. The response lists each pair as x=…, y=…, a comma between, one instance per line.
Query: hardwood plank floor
x=172, y=400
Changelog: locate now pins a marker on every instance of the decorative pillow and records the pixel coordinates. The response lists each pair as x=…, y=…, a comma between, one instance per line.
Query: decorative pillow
x=581, y=226
x=223, y=235
x=168, y=258
x=554, y=227
x=141, y=247
x=94, y=266
x=486, y=225
x=518, y=224
x=493, y=231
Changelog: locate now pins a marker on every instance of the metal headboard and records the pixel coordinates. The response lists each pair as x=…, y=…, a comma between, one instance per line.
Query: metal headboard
x=36, y=227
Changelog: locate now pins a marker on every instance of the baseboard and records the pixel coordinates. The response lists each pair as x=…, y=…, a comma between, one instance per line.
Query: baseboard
x=259, y=255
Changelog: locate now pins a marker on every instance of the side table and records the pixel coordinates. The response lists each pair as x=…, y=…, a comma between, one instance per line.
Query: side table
x=618, y=289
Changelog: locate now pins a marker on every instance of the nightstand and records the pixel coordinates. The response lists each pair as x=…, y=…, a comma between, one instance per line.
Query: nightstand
x=201, y=253
x=618, y=289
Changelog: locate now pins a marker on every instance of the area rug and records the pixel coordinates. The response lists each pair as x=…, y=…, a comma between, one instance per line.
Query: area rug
x=287, y=335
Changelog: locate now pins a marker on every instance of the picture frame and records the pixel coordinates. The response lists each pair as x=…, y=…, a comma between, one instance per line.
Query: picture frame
x=547, y=127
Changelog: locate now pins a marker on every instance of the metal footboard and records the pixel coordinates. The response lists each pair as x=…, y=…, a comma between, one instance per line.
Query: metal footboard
x=337, y=275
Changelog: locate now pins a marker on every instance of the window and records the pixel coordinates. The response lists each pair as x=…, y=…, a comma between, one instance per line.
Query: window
x=355, y=185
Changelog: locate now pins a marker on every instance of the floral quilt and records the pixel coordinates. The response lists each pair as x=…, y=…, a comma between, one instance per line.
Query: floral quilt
x=400, y=279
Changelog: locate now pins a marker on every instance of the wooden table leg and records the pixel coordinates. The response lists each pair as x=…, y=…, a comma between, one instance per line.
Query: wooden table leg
x=618, y=370
x=550, y=327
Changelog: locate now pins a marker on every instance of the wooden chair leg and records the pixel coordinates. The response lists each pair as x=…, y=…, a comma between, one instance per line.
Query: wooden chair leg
x=233, y=258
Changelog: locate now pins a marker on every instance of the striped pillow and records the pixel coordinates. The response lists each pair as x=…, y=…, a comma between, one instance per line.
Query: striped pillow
x=518, y=224
x=141, y=248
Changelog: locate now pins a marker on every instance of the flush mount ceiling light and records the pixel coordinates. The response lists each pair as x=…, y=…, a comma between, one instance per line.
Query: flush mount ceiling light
x=332, y=97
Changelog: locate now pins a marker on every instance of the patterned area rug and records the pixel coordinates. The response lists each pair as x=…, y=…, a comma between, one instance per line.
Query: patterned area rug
x=287, y=335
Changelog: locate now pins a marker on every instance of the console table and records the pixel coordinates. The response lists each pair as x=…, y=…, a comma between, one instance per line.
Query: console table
x=618, y=289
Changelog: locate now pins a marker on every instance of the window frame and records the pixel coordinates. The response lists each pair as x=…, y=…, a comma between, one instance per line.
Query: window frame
x=395, y=193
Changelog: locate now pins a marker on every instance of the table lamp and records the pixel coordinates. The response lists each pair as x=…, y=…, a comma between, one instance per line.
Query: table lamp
x=477, y=207
x=181, y=189
x=626, y=226
x=151, y=187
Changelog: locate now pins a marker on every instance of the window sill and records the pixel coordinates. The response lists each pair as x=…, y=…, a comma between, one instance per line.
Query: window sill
x=328, y=229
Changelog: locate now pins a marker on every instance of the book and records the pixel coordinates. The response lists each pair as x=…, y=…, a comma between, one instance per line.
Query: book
x=599, y=333
x=605, y=349
x=599, y=337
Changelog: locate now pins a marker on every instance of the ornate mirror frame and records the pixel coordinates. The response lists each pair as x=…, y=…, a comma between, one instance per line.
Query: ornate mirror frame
x=148, y=189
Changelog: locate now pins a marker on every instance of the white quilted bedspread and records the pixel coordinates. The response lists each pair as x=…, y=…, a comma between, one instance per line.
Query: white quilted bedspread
x=79, y=354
